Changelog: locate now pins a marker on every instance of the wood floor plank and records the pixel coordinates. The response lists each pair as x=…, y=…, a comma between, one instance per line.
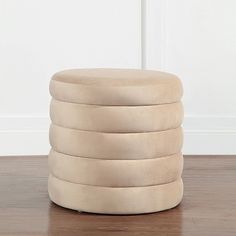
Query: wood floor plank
x=208, y=207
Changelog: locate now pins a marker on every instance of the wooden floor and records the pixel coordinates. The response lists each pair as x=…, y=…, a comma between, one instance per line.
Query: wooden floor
x=208, y=207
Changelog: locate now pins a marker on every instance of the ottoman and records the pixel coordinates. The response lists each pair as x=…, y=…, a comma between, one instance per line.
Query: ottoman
x=116, y=141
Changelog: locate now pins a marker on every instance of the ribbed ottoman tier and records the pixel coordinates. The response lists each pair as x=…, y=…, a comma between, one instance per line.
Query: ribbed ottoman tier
x=116, y=173
x=116, y=87
x=122, y=119
x=116, y=145
x=116, y=140
x=110, y=200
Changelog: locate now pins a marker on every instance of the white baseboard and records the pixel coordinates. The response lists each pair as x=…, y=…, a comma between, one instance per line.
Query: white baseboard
x=209, y=142
x=23, y=142
x=24, y=135
x=212, y=135
x=28, y=135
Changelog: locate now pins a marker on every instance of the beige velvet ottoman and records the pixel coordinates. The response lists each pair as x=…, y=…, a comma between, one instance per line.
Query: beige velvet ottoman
x=116, y=141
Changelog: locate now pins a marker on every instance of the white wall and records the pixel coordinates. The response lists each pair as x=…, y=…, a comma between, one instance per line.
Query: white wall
x=38, y=38
x=195, y=39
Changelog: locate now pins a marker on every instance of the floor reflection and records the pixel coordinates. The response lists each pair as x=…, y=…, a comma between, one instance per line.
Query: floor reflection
x=67, y=222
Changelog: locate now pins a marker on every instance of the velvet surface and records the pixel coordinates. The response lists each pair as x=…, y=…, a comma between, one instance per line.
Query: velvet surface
x=116, y=118
x=110, y=200
x=116, y=145
x=116, y=87
x=116, y=140
x=116, y=173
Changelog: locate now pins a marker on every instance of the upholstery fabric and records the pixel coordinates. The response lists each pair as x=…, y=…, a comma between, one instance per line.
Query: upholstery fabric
x=116, y=118
x=110, y=200
x=115, y=145
x=116, y=140
x=116, y=173
x=116, y=87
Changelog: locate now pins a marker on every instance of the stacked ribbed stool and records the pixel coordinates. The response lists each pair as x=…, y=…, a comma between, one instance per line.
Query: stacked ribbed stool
x=116, y=140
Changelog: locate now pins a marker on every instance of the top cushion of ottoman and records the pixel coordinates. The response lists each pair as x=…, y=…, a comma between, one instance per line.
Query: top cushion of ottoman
x=116, y=87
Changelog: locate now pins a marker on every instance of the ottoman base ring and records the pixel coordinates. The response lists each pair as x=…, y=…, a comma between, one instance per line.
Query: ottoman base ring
x=109, y=200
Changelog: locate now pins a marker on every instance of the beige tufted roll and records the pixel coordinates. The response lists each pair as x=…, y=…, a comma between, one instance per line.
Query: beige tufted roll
x=116, y=173
x=116, y=145
x=116, y=118
x=116, y=87
x=109, y=200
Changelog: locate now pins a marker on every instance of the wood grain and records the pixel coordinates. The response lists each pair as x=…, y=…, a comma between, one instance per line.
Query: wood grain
x=208, y=207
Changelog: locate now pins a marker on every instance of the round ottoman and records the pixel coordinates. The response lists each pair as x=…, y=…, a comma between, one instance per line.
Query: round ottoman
x=116, y=141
